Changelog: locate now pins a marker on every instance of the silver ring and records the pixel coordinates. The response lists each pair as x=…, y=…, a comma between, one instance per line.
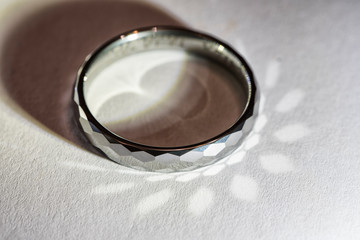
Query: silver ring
x=165, y=158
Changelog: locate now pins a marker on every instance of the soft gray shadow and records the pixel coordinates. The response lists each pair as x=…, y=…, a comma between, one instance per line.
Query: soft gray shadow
x=42, y=54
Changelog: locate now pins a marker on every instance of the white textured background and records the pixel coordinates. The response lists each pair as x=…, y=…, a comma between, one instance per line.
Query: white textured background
x=297, y=177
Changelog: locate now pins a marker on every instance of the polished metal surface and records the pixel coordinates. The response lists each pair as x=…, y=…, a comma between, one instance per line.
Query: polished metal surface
x=165, y=159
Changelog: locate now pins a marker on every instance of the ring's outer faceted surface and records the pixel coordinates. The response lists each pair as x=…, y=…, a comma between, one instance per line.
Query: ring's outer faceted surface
x=168, y=159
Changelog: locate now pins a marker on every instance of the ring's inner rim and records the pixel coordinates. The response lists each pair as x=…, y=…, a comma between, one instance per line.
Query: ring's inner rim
x=158, y=39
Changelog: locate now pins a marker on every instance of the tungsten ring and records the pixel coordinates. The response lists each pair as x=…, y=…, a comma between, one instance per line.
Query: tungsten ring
x=165, y=99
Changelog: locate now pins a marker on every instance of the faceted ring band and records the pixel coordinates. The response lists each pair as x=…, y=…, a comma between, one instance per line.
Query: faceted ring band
x=165, y=158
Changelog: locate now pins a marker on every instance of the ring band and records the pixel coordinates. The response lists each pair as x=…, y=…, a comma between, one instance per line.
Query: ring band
x=158, y=158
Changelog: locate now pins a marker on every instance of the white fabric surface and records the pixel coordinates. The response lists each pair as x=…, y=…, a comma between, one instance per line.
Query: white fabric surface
x=297, y=177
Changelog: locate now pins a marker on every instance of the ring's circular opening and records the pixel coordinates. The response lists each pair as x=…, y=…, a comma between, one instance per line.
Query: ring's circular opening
x=166, y=88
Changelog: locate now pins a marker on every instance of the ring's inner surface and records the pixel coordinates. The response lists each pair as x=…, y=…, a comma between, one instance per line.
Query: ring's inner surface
x=166, y=88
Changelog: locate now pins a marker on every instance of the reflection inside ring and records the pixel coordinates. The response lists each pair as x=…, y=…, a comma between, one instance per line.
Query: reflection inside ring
x=165, y=97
